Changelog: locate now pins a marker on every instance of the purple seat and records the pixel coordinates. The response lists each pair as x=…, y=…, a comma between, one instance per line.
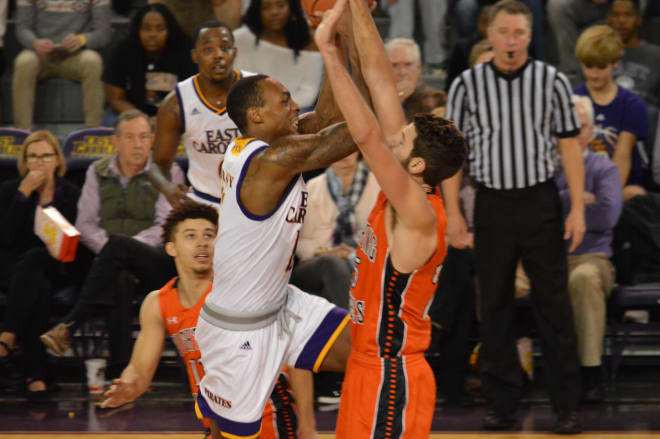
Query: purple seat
x=85, y=146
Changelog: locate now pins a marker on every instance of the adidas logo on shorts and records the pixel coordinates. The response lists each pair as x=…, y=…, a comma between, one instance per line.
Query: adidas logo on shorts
x=246, y=346
x=195, y=112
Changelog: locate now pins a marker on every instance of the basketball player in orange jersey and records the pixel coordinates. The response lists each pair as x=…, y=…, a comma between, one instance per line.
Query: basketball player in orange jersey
x=189, y=232
x=389, y=388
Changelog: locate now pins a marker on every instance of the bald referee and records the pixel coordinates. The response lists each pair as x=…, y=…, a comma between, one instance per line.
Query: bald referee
x=516, y=113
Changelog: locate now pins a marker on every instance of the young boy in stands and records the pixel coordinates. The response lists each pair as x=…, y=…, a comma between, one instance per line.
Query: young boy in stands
x=621, y=118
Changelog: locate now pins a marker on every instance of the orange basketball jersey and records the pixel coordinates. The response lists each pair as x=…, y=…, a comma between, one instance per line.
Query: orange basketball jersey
x=180, y=324
x=388, y=308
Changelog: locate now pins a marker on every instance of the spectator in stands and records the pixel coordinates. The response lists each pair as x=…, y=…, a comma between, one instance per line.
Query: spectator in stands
x=590, y=272
x=340, y=200
x=416, y=96
x=191, y=13
x=28, y=271
x=120, y=215
x=433, y=15
x=275, y=40
x=159, y=54
x=567, y=18
x=639, y=68
x=60, y=39
x=621, y=116
x=518, y=211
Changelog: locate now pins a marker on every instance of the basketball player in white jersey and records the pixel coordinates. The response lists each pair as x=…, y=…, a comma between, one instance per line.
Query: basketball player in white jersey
x=253, y=321
x=195, y=114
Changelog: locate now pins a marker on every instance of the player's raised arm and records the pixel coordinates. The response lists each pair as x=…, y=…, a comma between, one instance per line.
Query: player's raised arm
x=406, y=195
x=166, y=142
x=137, y=376
x=377, y=71
x=326, y=111
x=262, y=108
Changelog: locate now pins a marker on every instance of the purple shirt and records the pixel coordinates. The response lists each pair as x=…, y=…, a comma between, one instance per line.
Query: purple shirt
x=626, y=112
x=601, y=178
x=89, y=203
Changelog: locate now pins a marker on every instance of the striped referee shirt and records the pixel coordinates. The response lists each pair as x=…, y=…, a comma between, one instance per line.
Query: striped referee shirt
x=512, y=121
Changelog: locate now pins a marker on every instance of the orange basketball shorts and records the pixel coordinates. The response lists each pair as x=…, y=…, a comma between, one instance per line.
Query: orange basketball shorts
x=386, y=398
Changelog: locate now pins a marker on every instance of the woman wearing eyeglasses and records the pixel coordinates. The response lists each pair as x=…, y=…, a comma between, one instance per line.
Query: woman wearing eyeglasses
x=41, y=167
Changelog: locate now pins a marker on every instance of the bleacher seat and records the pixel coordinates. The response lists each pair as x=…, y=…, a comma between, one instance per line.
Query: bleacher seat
x=58, y=105
x=82, y=147
x=11, y=140
x=643, y=296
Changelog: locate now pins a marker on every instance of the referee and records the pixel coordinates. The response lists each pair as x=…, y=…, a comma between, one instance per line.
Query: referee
x=515, y=113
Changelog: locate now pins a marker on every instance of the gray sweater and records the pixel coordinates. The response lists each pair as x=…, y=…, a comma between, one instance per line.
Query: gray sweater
x=54, y=20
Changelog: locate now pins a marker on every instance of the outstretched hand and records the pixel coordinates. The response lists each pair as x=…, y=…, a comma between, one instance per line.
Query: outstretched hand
x=326, y=32
x=120, y=392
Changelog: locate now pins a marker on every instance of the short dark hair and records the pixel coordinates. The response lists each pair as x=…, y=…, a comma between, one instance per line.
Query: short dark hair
x=440, y=144
x=511, y=7
x=243, y=95
x=208, y=25
x=188, y=209
x=635, y=3
x=131, y=114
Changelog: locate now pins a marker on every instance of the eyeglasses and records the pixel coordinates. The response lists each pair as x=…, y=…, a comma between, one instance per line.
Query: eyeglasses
x=46, y=158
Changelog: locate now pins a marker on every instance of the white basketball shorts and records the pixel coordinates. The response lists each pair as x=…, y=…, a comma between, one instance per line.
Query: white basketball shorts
x=241, y=367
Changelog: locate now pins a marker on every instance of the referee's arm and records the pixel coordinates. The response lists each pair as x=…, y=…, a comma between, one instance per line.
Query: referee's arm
x=567, y=127
x=573, y=163
x=457, y=230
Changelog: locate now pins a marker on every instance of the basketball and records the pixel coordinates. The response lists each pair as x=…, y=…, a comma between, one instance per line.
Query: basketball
x=314, y=10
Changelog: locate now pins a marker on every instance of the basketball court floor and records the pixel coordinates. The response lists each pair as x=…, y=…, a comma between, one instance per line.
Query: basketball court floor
x=451, y=435
x=631, y=411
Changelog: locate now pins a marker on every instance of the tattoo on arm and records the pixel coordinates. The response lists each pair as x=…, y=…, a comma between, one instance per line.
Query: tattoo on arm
x=335, y=144
x=308, y=152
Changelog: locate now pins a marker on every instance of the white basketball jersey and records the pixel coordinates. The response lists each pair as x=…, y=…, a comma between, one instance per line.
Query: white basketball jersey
x=253, y=254
x=207, y=132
